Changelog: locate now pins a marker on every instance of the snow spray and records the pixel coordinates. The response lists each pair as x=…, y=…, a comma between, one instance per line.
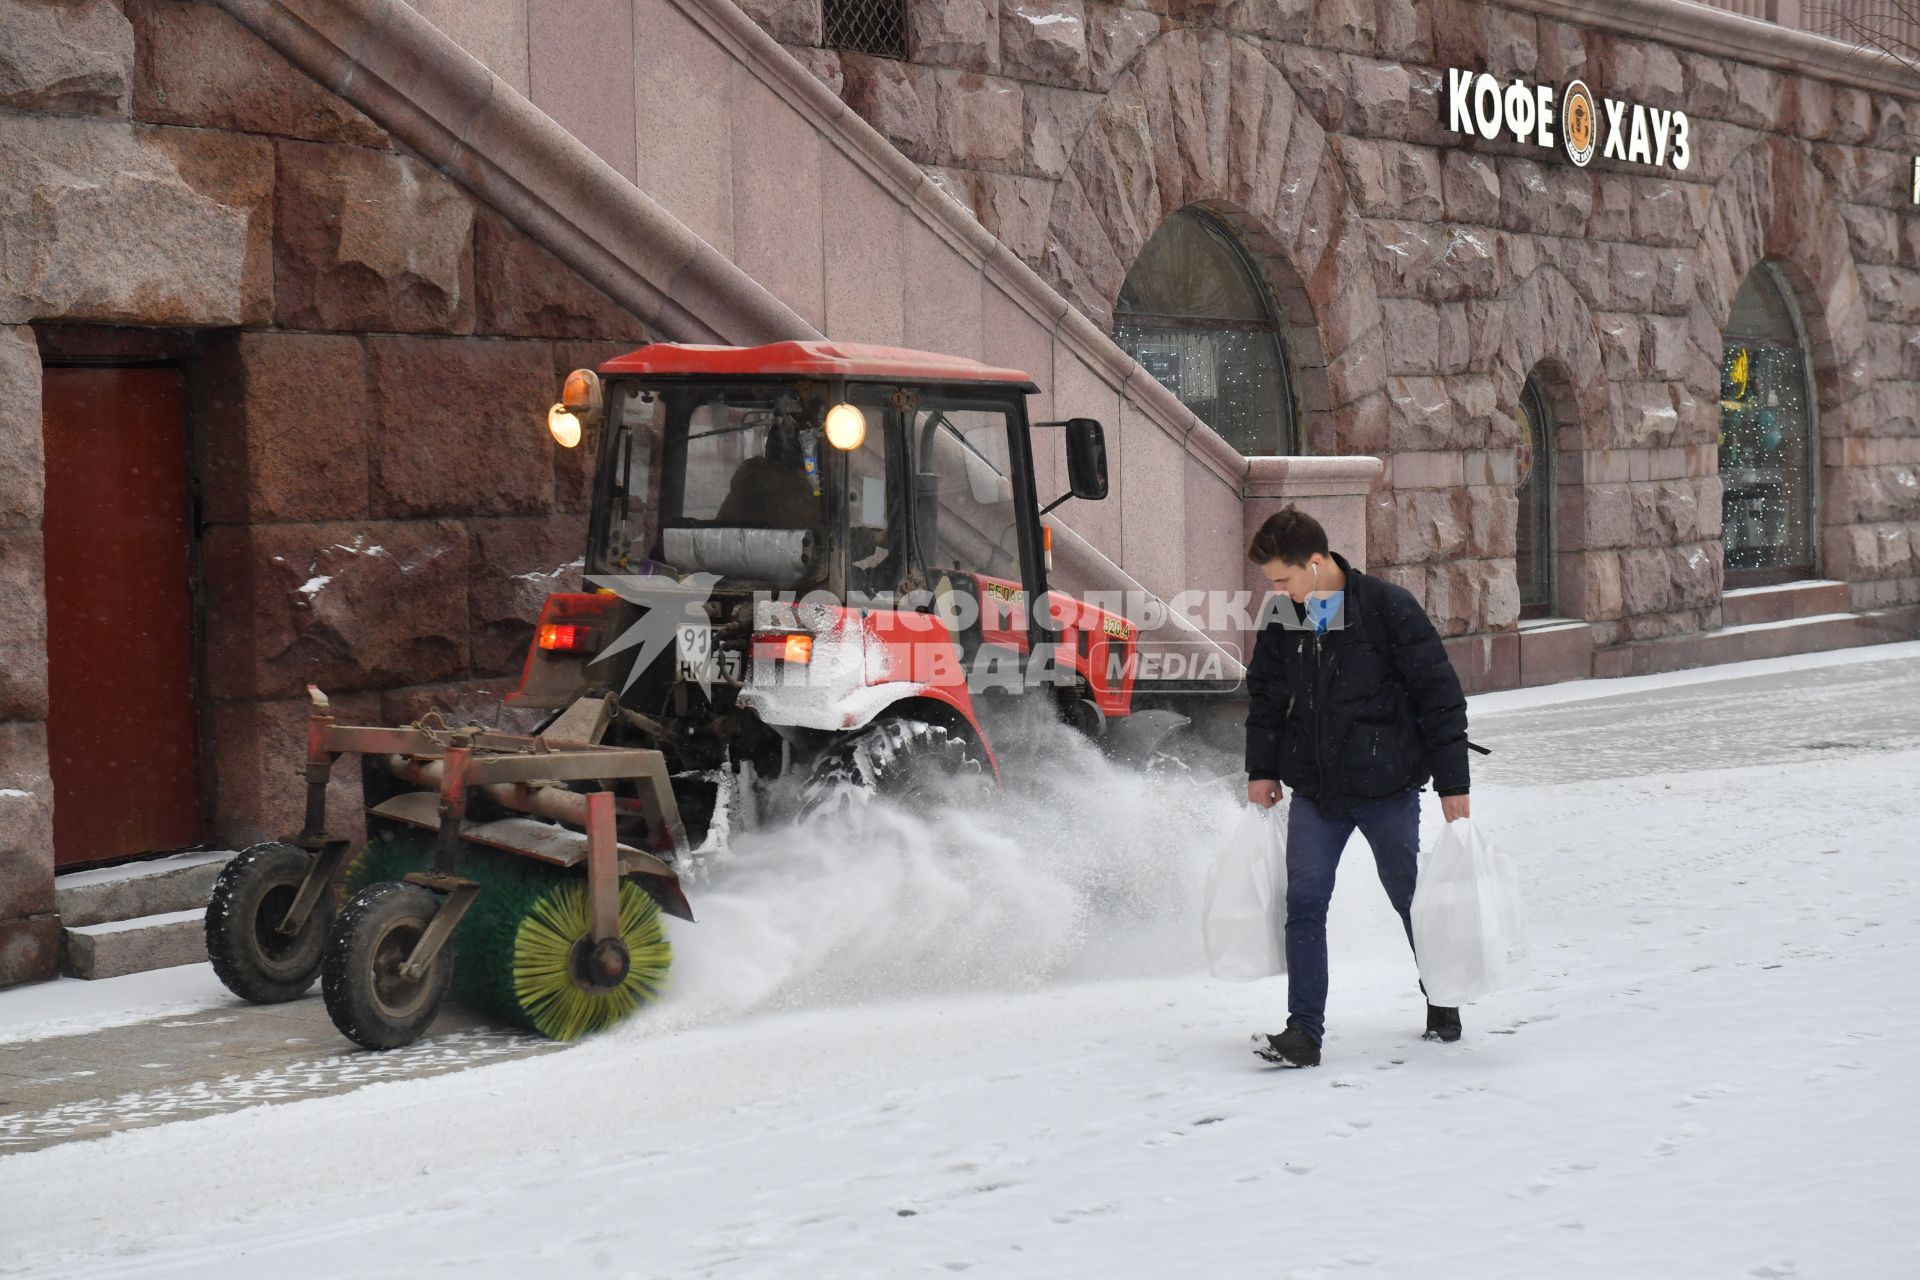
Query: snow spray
x=1077, y=869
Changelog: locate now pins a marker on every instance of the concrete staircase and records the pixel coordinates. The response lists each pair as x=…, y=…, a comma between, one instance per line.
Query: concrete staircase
x=138, y=916
x=1767, y=622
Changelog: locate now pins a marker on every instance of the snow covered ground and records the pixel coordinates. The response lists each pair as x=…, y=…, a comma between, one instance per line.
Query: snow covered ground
x=984, y=1046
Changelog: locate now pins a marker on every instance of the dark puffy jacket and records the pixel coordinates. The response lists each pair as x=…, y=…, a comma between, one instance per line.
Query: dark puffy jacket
x=1360, y=712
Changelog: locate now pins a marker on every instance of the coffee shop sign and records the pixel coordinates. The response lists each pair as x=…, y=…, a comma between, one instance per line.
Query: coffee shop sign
x=1479, y=106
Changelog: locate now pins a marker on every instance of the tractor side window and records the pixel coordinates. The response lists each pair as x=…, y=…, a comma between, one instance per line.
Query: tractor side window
x=966, y=512
x=631, y=528
x=874, y=533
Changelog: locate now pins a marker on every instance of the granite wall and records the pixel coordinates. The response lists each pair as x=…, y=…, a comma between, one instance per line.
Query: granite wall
x=1423, y=275
x=372, y=354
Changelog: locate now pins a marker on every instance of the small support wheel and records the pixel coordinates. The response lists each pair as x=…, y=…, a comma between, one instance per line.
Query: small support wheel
x=373, y=1003
x=250, y=955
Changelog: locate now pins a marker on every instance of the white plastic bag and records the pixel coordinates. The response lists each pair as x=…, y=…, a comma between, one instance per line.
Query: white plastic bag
x=1247, y=899
x=1469, y=931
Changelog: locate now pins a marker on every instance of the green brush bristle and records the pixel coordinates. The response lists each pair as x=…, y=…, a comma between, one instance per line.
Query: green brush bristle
x=512, y=948
x=544, y=989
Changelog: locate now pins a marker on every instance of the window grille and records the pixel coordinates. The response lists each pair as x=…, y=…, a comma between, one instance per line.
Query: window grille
x=877, y=27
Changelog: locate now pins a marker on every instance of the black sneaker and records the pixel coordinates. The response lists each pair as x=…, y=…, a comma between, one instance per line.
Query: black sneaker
x=1291, y=1048
x=1443, y=1024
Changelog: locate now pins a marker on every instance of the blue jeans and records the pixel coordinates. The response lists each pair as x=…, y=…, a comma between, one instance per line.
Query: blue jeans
x=1391, y=826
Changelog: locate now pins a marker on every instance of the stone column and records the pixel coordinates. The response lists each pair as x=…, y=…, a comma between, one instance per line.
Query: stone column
x=1331, y=490
x=29, y=932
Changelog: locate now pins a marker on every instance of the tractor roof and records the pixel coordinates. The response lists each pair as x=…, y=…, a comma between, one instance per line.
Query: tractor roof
x=855, y=360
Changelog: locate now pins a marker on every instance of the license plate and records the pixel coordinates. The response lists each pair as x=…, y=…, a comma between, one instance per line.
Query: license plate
x=694, y=650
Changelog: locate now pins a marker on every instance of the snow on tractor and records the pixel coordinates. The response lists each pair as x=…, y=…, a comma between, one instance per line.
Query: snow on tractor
x=814, y=571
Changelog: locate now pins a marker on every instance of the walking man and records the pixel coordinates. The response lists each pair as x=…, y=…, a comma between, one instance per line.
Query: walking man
x=1355, y=706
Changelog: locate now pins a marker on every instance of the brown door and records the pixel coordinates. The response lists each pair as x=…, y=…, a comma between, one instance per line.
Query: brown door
x=120, y=646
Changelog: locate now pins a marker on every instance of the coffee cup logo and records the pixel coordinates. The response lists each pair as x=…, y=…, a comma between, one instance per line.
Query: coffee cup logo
x=1580, y=130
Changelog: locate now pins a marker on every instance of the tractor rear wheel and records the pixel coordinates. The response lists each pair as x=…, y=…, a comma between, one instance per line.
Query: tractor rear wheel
x=250, y=955
x=368, y=997
x=911, y=762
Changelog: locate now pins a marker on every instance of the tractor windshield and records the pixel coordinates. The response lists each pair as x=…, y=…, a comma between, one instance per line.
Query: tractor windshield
x=739, y=480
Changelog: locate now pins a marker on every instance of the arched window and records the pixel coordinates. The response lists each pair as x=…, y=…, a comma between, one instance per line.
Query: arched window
x=1533, y=541
x=1766, y=437
x=1194, y=314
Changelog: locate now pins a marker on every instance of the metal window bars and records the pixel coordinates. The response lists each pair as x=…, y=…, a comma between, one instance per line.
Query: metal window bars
x=876, y=27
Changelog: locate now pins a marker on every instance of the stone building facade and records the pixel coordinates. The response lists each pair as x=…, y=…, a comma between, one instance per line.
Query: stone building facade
x=1425, y=275
x=368, y=353
x=369, y=238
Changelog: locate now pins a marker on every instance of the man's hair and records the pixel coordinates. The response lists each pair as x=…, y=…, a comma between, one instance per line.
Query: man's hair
x=1289, y=535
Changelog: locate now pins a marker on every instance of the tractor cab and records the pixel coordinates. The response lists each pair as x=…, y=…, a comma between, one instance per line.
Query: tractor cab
x=855, y=528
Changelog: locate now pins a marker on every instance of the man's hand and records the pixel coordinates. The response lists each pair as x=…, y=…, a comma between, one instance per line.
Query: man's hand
x=1264, y=792
x=1454, y=808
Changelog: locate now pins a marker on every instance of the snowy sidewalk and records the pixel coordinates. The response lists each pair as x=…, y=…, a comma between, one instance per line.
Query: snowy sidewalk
x=1711, y=1073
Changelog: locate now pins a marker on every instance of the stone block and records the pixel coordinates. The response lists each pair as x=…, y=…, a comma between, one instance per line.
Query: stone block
x=198, y=66
x=152, y=942
x=344, y=606
x=897, y=98
x=23, y=626
x=29, y=950
x=1382, y=95
x=370, y=240
x=105, y=226
x=26, y=822
x=1015, y=209
x=1646, y=581
x=1347, y=25
x=1055, y=121
x=963, y=34
x=74, y=58
x=460, y=426
x=1044, y=40
x=1403, y=30
x=826, y=65
x=1633, y=274
x=496, y=32
x=1526, y=198
x=1661, y=215
x=1452, y=598
x=1430, y=525
x=1116, y=35
x=523, y=291
x=1413, y=336
x=286, y=419
x=1287, y=20
x=980, y=119
x=1653, y=71
x=1468, y=265
x=788, y=21
x=513, y=565
x=260, y=751
x=22, y=458
x=236, y=171
x=1493, y=514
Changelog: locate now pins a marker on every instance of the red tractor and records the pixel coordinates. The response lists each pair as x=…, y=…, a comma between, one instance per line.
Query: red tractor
x=812, y=569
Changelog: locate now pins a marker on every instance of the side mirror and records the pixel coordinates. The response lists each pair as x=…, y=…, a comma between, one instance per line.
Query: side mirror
x=1087, y=458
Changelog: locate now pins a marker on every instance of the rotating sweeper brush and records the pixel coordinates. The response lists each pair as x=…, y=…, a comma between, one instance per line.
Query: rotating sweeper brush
x=496, y=865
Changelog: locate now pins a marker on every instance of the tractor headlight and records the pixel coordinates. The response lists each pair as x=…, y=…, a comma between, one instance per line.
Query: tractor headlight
x=563, y=426
x=846, y=427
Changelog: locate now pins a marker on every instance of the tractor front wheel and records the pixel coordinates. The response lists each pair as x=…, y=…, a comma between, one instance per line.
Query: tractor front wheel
x=369, y=998
x=250, y=954
x=910, y=762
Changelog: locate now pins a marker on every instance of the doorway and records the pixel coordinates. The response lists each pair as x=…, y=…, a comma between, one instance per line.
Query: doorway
x=122, y=733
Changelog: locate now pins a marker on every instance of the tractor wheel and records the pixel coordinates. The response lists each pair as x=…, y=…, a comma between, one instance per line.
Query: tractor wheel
x=911, y=762
x=368, y=998
x=249, y=953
